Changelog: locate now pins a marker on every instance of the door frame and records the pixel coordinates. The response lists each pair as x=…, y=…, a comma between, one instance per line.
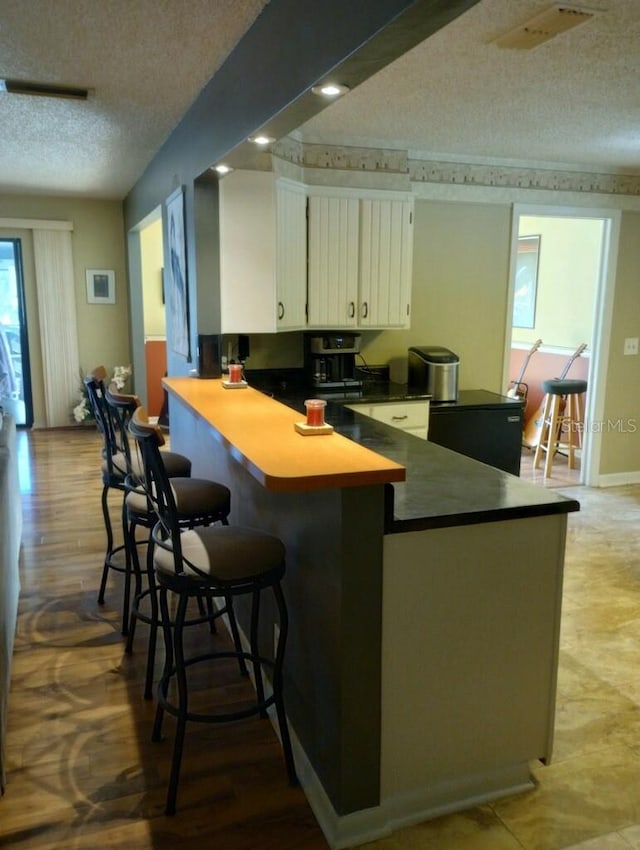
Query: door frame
x=601, y=324
x=24, y=330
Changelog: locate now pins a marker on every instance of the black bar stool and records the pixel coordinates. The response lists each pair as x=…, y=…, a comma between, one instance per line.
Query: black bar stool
x=198, y=502
x=116, y=460
x=206, y=562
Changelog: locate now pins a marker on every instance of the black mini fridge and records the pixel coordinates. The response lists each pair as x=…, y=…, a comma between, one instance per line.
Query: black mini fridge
x=481, y=425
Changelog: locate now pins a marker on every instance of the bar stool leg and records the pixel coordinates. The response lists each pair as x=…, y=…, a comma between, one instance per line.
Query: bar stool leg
x=553, y=436
x=163, y=686
x=183, y=705
x=107, y=525
x=574, y=424
x=544, y=430
x=257, y=666
x=283, y=726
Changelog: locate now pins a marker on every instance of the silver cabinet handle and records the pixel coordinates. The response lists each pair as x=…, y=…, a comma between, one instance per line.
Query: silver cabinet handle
x=365, y=310
x=400, y=418
x=352, y=309
x=280, y=310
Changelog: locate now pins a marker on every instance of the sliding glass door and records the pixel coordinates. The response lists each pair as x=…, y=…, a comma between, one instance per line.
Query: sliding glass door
x=15, y=380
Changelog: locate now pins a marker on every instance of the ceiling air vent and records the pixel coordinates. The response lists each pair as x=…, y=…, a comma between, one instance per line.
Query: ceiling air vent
x=542, y=27
x=43, y=89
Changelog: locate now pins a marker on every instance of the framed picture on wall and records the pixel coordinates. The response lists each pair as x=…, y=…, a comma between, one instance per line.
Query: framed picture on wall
x=101, y=286
x=175, y=277
x=526, y=282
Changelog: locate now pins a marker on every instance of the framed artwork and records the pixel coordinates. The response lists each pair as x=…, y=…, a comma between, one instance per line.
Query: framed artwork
x=101, y=286
x=526, y=282
x=175, y=277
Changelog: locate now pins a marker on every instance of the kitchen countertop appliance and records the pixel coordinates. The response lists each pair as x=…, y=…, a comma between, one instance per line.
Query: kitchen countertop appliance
x=434, y=370
x=330, y=360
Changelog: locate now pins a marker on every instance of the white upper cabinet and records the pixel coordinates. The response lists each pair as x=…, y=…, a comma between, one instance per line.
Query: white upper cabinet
x=360, y=259
x=386, y=258
x=262, y=253
x=295, y=256
x=333, y=261
x=291, y=255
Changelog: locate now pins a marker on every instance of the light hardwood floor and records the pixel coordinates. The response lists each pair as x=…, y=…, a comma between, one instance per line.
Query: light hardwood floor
x=83, y=774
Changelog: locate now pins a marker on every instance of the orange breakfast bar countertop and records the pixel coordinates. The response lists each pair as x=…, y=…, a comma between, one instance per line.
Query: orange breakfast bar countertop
x=260, y=435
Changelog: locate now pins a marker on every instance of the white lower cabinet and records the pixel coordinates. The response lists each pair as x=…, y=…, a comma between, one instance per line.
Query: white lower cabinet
x=409, y=416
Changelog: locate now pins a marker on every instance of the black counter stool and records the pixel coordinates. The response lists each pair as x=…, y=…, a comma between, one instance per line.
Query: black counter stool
x=212, y=561
x=198, y=502
x=116, y=461
x=562, y=421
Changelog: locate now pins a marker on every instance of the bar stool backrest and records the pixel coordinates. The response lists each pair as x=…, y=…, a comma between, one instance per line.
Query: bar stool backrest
x=121, y=407
x=113, y=449
x=149, y=438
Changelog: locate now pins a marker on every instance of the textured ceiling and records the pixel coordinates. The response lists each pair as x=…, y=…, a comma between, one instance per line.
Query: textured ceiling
x=145, y=60
x=572, y=101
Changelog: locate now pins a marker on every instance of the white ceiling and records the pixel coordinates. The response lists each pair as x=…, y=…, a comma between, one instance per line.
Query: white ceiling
x=145, y=60
x=574, y=101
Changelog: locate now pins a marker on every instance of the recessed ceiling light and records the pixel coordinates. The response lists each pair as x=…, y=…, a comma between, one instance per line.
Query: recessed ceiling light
x=222, y=168
x=261, y=139
x=330, y=89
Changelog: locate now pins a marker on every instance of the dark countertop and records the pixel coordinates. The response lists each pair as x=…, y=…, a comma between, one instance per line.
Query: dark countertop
x=443, y=488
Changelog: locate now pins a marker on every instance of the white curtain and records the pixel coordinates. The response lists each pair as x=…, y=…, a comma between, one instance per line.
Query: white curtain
x=58, y=329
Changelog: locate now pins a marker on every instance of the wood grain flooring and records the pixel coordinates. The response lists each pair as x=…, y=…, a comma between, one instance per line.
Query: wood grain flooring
x=83, y=773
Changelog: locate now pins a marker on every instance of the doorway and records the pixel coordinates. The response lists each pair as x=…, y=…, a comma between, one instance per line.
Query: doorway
x=15, y=376
x=565, y=257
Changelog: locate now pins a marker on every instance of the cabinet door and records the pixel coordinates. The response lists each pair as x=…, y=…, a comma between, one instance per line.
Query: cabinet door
x=386, y=255
x=291, y=255
x=410, y=416
x=333, y=261
x=247, y=252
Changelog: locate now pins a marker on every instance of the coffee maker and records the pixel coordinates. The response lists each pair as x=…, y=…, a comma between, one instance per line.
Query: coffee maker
x=330, y=360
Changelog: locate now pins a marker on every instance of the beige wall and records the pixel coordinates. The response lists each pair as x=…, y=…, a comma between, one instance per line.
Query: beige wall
x=621, y=421
x=460, y=297
x=152, y=263
x=568, y=276
x=98, y=243
x=460, y=290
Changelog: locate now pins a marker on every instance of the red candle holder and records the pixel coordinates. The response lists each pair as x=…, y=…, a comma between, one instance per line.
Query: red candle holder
x=315, y=412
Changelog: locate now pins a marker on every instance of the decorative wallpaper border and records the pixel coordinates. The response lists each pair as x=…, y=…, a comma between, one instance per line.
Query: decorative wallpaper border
x=523, y=178
x=386, y=161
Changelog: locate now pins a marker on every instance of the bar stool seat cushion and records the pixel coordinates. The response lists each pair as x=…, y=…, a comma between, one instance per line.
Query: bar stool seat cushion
x=194, y=498
x=225, y=554
x=118, y=468
x=177, y=465
x=566, y=386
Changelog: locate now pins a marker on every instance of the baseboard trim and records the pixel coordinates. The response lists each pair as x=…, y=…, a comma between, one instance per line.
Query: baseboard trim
x=407, y=809
x=618, y=479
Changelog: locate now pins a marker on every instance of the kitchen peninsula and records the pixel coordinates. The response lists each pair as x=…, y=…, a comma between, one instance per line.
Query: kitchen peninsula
x=424, y=594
